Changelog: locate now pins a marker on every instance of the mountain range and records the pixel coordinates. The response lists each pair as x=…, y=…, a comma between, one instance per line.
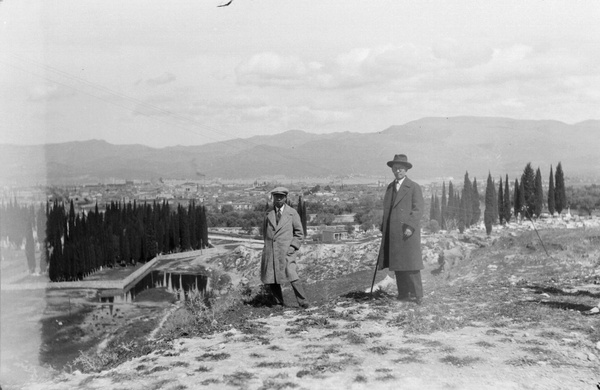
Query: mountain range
x=437, y=147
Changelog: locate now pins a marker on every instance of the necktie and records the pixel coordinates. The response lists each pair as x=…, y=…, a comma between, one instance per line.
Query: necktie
x=397, y=185
x=278, y=215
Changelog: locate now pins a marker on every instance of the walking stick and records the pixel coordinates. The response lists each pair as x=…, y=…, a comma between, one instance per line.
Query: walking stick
x=374, y=274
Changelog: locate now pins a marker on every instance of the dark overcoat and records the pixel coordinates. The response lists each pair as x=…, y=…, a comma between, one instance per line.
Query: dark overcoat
x=276, y=265
x=400, y=210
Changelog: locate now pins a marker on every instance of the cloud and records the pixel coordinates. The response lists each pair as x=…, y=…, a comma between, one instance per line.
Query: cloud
x=411, y=67
x=165, y=78
x=48, y=92
x=461, y=54
x=273, y=69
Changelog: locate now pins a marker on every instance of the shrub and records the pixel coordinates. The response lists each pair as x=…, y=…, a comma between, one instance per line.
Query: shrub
x=433, y=226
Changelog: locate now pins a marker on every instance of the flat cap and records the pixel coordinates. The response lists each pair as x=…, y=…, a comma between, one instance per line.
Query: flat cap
x=280, y=190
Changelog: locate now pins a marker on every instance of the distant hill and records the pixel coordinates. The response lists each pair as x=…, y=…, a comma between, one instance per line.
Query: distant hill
x=437, y=147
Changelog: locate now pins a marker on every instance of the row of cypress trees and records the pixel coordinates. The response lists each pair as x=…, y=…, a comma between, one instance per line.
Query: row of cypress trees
x=528, y=199
x=80, y=244
x=461, y=209
x=458, y=209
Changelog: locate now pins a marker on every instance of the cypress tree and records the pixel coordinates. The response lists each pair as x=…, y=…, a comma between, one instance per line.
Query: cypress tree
x=500, y=202
x=560, y=196
x=490, y=210
x=551, y=194
x=431, y=208
x=451, y=209
x=437, y=213
x=443, y=207
x=528, y=185
x=495, y=202
x=302, y=213
x=467, y=196
x=522, y=201
x=476, y=206
x=506, y=207
x=539, y=194
x=205, y=227
x=184, y=229
x=517, y=199
x=462, y=215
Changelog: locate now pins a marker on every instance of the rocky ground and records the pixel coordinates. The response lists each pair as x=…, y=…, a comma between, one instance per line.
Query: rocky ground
x=516, y=310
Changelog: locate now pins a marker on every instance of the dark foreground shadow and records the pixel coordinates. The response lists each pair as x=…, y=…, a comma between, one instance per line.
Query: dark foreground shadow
x=567, y=306
x=557, y=291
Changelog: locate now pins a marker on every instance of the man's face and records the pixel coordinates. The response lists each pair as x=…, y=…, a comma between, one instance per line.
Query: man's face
x=279, y=200
x=399, y=171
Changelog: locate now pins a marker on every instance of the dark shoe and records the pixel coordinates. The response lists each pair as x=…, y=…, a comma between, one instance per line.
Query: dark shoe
x=403, y=298
x=304, y=305
x=419, y=301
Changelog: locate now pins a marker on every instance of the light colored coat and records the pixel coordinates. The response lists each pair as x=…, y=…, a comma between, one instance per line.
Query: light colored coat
x=276, y=265
x=403, y=254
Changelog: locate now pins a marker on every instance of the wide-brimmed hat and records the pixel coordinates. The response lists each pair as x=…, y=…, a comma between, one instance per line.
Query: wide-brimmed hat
x=400, y=159
x=280, y=191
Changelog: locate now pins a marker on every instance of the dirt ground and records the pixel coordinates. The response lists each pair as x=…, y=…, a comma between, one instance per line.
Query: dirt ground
x=508, y=316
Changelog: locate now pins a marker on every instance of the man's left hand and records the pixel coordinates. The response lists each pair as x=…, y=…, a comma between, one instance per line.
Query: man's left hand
x=408, y=232
x=291, y=250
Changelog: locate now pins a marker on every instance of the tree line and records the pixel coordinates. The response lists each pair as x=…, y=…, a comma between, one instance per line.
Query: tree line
x=528, y=200
x=78, y=244
x=456, y=209
x=461, y=209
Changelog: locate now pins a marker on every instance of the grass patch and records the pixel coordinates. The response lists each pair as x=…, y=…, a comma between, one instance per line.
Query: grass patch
x=521, y=361
x=425, y=342
x=458, y=361
x=159, y=385
x=272, y=384
x=410, y=356
x=385, y=378
x=238, y=378
x=210, y=381
x=213, y=356
x=485, y=344
x=355, y=338
x=203, y=369
x=379, y=350
x=272, y=365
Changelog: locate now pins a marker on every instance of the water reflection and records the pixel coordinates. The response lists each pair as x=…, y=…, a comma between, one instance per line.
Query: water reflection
x=49, y=328
x=179, y=284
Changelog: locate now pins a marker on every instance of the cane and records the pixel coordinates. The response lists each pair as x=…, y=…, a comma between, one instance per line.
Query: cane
x=374, y=274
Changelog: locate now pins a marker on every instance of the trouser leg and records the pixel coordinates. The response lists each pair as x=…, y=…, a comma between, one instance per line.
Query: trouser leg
x=276, y=293
x=299, y=291
x=409, y=282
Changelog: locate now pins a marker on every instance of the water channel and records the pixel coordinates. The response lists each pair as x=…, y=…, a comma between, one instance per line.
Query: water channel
x=43, y=329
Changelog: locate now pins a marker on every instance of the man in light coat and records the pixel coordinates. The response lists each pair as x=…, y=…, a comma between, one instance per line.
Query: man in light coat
x=400, y=249
x=282, y=234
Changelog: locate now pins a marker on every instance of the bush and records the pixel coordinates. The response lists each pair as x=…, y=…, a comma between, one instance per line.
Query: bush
x=433, y=226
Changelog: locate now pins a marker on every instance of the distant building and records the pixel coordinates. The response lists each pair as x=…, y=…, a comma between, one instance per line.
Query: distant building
x=333, y=234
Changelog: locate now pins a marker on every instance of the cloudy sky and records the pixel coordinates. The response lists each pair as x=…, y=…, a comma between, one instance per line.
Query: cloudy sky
x=187, y=72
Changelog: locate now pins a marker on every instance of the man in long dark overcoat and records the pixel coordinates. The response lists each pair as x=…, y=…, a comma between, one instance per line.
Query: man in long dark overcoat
x=400, y=249
x=282, y=233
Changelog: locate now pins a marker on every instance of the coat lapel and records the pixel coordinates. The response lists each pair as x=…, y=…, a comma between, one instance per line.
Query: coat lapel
x=272, y=219
x=285, y=215
x=404, y=188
